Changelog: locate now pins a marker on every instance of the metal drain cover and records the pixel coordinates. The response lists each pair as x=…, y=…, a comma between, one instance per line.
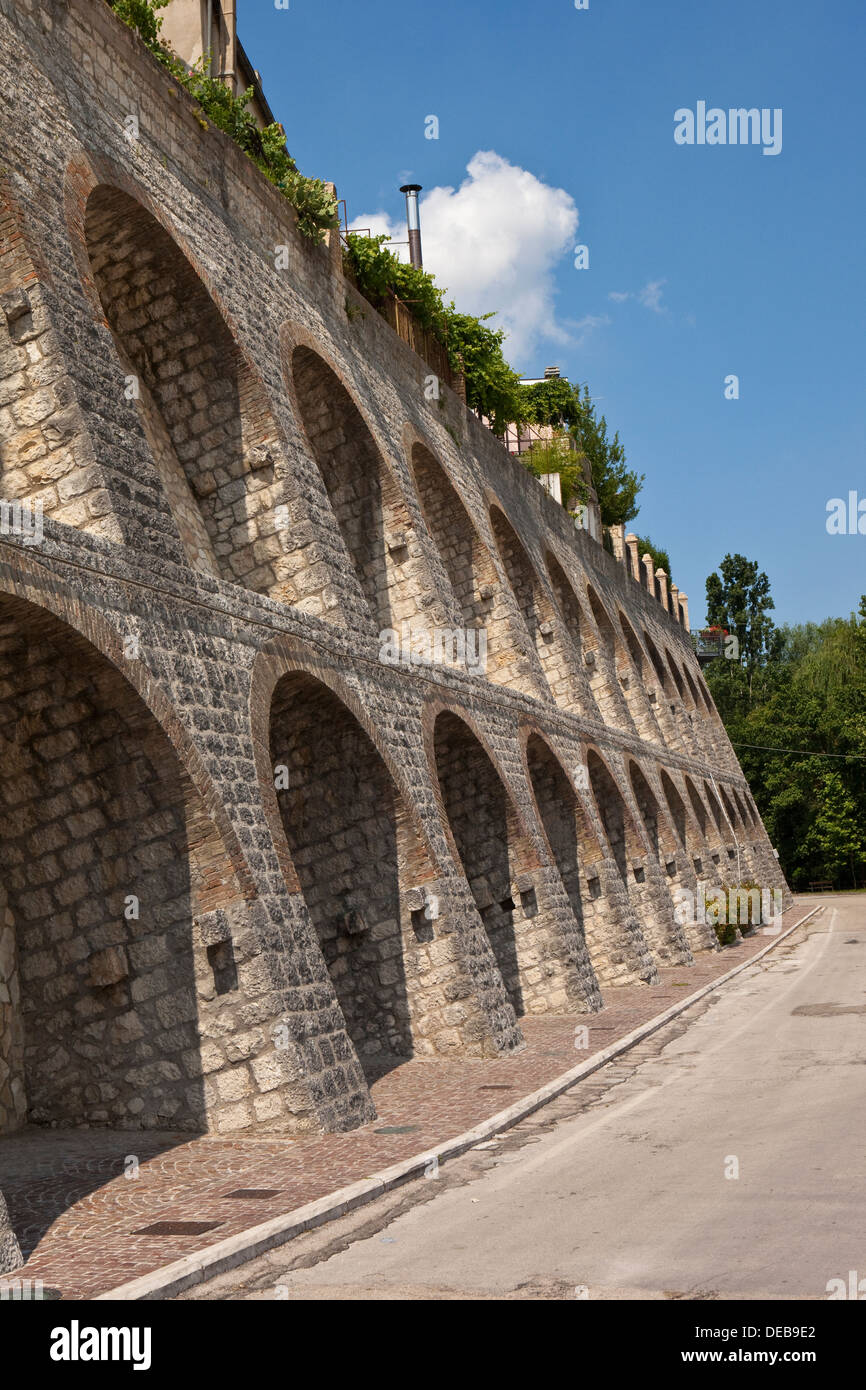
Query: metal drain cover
x=256, y=1193
x=178, y=1228
x=397, y=1129
x=496, y=1088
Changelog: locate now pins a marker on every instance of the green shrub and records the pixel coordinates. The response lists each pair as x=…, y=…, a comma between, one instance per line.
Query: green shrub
x=492, y=387
x=312, y=200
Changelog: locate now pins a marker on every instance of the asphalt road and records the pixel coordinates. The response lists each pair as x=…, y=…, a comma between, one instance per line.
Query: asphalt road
x=725, y=1157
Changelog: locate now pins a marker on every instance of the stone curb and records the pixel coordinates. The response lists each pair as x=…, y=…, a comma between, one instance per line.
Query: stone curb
x=257, y=1240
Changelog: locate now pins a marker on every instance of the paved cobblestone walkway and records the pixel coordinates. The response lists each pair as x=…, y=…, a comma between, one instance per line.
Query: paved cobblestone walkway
x=79, y=1218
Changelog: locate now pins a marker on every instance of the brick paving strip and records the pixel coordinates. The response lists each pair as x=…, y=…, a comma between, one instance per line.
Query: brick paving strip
x=82, y=1220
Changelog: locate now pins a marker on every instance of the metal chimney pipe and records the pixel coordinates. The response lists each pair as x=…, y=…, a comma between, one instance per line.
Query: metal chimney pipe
x=413, y=220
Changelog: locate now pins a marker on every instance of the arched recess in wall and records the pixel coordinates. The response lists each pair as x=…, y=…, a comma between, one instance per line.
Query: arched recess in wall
x=369, y=507
x=490, y=843
x=544, y=649
x=697, y=700
x=715, y=808
x=657, y=827
x=578, y=677
x=45, y=448
x=357, y=852
x=724, y=827
x=743, y=851
x=745, y=816
x=203, y=409
x=621, y=836
x=702, y=817
x=637, y=682
x=683, y=710
x=609, y=694
x=704, y=691
x=677, y=808
x=753, y=809
x=677, y=678
x=110, y=859
x=707, y=697
x=669, y=713
x=728, y=805
x=575, y=850
x=467, y=562
x=664, y=937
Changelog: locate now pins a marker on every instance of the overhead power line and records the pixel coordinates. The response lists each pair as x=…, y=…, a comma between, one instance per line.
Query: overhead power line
x=803, y=752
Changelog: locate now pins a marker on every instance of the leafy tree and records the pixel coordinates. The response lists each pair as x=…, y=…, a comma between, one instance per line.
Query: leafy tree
x=661, y=559
x=553, y=401
x=558, y=456
x=837, y=836
x=616, y=485
x=740, y=602
x=798, y=725
x=492, y=387
x=556, y=402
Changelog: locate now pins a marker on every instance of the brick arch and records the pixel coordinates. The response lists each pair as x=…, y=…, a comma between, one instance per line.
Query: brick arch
x=715, y=808
x=490, y=842
x=644, y=709
x=697, y=701
x=91, y=630
x=119, y=892
x=662, y=674
x=467, y=561
x=658, y=826
x=677, y=677
x=46, y=453
x=745, y=816
x=698, y=807
x=749, y=803
x=637, y=652
x=285, y=656
x=578, y=689
x=578, y=854
x=706, y=696
x=724, y=793
x=609, y=662
x=677, y=807
x=367, y=501
x=202, y=406
x=360, y=861
x=669, y=705
x=533, y=604
x=619, y=827
x=469, y=566
x=650, y=893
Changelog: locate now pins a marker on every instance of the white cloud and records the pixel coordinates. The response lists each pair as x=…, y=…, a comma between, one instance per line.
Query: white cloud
x=650, y=296
x=494, y=243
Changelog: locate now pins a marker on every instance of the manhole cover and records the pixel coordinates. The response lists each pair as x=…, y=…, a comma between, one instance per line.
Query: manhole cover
x=26, y=1291
x=253, y=1194
x=178, y=1228
x=397, y=1129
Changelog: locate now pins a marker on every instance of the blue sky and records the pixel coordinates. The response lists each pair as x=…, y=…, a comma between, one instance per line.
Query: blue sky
x=735, y=262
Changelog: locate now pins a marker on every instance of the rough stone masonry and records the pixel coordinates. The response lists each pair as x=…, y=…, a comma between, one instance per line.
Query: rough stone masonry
x=247, y=864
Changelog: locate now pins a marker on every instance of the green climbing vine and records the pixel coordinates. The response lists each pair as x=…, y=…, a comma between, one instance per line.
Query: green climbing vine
x=311, y=198
x=492, y=387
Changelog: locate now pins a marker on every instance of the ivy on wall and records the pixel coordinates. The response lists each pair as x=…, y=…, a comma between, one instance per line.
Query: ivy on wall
x=313, y=202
